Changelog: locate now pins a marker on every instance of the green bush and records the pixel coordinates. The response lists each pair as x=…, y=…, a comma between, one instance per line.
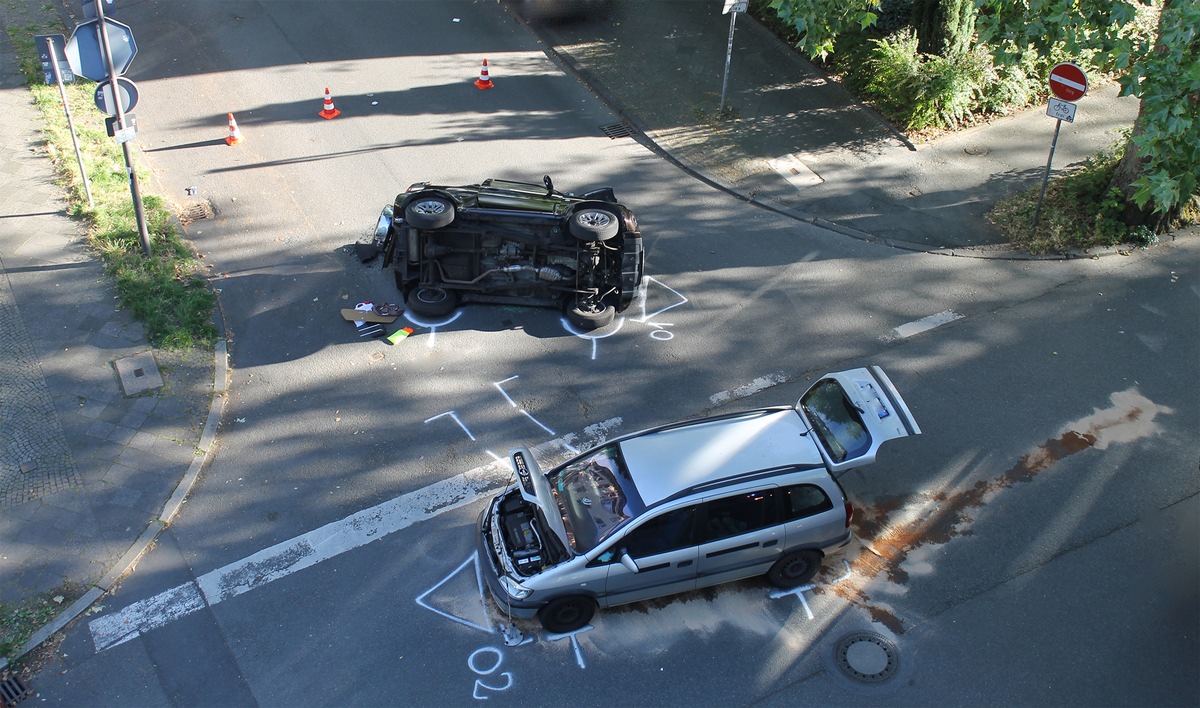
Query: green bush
x=920, y=91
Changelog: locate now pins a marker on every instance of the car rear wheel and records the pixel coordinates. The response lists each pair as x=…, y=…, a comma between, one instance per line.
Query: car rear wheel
x=429, y=212
x=794, y=569
x=588, y=316
x=431, y=301
x=567, y=614
x=594, y=224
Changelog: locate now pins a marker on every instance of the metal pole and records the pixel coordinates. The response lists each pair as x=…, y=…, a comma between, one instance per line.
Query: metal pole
x=62, y=92
x=1037, y=213
x=134, y=189
x=728, y=55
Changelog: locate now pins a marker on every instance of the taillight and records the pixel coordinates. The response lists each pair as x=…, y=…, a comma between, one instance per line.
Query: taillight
x=849, y=514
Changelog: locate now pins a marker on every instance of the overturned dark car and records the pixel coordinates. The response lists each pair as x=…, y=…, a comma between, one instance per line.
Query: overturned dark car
x=516, y=243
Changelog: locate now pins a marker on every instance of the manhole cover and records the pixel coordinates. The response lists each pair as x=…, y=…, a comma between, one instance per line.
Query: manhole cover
x=867, y=657
x=617, y=130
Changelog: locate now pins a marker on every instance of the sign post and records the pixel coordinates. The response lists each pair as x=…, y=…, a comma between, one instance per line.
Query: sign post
x=732, y=8
x=96, y=49
x=1068, y=83
x=49, y=49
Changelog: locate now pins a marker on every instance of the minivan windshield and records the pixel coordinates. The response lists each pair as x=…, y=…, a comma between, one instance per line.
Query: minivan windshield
x=590, y=497
x=837, y=420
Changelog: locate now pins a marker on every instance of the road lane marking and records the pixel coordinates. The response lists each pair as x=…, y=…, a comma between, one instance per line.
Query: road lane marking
x=910, y=329
x=318, y=545
x=760, y=384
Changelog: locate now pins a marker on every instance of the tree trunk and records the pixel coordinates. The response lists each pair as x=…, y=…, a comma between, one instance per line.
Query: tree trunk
x=1130, y=168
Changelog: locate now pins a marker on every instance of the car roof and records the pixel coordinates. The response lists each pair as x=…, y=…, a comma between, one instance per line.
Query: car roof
x=668, y=461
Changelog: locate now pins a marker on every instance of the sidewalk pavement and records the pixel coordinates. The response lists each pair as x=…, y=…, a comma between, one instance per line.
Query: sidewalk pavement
x=799, y=142
x=89, y=475
x=90, y=468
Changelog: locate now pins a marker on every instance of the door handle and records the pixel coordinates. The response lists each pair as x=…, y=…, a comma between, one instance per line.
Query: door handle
x=683, y=564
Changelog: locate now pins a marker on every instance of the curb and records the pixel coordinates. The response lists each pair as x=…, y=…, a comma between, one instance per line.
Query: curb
x=647, y=139
x=170, y=508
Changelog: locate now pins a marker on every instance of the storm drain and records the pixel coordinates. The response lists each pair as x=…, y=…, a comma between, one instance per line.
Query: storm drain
x=196, y=211
x=617, y=130
x=867, y=657
x=12, y=691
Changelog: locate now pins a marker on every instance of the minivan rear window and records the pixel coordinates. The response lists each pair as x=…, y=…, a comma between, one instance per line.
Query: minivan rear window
x=837, y=421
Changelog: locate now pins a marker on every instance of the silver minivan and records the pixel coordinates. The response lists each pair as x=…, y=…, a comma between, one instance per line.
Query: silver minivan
x=687, y=505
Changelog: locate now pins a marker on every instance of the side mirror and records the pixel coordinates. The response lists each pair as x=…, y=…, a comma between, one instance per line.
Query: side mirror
x=549, y=185
x=629, y=563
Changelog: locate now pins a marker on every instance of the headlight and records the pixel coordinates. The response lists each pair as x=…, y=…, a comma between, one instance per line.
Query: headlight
x=513, y=589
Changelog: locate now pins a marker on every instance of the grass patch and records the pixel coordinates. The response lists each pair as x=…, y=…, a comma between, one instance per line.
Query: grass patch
x=1080, y=212
x=18, y=622
x=166, y=292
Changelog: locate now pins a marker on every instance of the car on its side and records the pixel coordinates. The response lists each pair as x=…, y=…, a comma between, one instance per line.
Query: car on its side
x=687, y=505
x=516, y=243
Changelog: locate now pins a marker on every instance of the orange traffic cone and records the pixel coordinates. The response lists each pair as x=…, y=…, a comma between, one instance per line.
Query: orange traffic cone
x=235, y=135
x=483, y=82
x=329, y=112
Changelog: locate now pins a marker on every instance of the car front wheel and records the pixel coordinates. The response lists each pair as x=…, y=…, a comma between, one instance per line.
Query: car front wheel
x=567, y=614
x=588, y=316
x=431, y=301
x=794, y=569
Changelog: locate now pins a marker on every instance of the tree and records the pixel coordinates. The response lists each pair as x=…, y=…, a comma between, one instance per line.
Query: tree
x=944, y=27
x=819, y=22
x=1158, y=172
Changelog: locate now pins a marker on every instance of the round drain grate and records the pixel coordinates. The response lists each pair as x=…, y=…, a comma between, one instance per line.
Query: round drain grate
x=867, y=657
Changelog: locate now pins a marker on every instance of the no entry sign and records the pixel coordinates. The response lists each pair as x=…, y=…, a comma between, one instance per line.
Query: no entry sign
x=1068, y=82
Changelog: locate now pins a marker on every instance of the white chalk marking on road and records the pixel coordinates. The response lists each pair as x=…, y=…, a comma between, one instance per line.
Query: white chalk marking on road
x=318, y=545
x=798, y=592
x=910, y=329
x=844, y=577
x=536, y=422
x=592, y=337
x=645, y=290
x=760, y=384
x=574, y=643
x=504, y=393
x=472, y=559
x=431, y=326
x=513, y=403
x=454, y=416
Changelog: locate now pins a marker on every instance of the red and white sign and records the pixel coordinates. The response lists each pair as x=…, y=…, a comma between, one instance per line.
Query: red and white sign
x=1068, y=82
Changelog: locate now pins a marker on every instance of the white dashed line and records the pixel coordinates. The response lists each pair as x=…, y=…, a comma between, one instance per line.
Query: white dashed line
x=924, y=324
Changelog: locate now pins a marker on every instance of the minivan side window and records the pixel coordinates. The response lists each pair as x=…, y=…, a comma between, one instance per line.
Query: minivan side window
x=739, y=514
x=804, y=500
x=670, y=531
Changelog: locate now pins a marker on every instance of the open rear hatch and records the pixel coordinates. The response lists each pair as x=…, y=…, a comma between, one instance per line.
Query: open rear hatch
x=853, y=412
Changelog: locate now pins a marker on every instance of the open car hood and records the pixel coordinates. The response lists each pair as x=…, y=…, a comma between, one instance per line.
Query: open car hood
x=535, y=489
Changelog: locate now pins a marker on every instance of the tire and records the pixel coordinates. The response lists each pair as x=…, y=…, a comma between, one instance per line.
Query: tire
x=431, y=301
x=588, y=318
x=567, y=614
x=589, y=224
x=796, y=568
x=429, y=212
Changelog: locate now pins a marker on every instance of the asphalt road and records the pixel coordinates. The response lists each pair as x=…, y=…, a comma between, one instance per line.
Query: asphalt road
x=1036, y=545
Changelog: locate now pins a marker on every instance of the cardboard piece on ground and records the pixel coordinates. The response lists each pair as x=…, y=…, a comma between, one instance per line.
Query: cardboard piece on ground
x=352, y=315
